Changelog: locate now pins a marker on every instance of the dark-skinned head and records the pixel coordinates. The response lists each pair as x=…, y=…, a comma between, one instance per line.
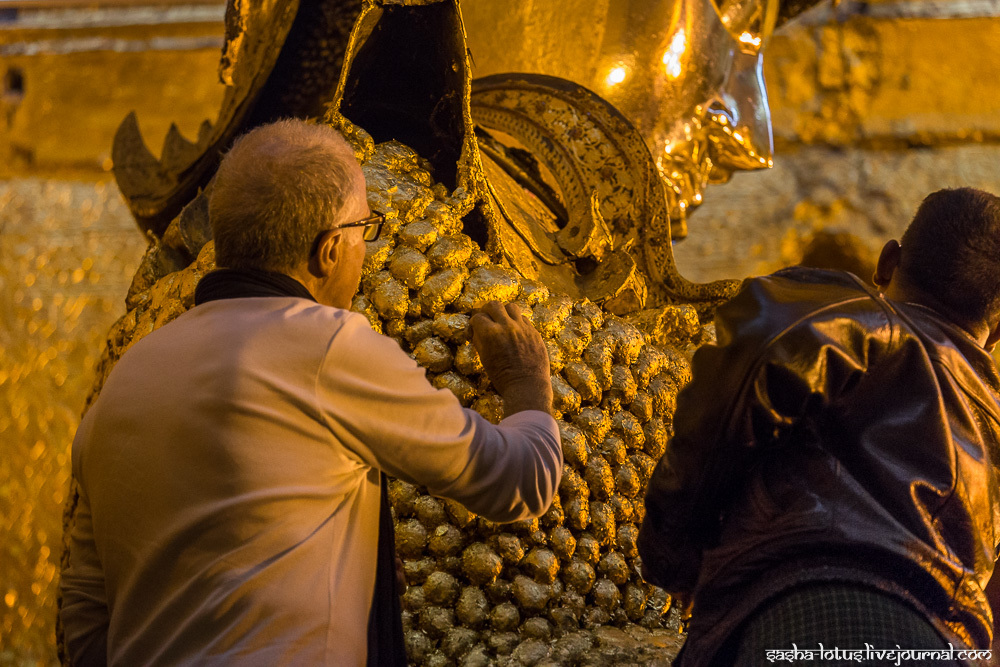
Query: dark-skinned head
x=951, y=251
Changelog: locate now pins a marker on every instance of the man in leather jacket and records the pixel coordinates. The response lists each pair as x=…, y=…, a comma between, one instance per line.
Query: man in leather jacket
x=833, y=477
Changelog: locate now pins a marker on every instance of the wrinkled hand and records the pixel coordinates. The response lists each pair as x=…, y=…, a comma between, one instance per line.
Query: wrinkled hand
x=514, y=357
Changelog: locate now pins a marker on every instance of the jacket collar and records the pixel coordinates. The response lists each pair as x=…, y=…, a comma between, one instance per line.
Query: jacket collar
x=242, y=283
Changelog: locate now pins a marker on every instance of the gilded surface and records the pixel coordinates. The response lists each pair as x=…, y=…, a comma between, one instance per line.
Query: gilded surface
x=687, y=73
x=66, y=251
x=602, y=196
x=157, y=189
x=587, y=213
x=570, y=194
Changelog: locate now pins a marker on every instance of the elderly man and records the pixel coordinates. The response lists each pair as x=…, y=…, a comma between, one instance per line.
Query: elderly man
x=833, y=475
x=232, y=473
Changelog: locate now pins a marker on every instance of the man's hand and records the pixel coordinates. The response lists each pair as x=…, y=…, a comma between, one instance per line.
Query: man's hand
x=514, y=357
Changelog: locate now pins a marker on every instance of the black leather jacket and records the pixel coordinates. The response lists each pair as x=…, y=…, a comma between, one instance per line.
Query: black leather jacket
x=830, y=434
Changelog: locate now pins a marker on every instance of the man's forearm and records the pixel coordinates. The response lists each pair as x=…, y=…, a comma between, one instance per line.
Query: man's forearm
x=513, y=470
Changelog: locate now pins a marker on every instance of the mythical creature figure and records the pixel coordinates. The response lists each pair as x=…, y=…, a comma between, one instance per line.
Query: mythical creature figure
x=514, y=187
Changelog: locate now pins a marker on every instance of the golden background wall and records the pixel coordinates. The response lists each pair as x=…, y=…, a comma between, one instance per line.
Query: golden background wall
x=66, y=253
x=870, y=114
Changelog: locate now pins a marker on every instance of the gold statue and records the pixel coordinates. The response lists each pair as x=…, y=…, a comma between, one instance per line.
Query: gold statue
x=688, y=74
x=514, y=187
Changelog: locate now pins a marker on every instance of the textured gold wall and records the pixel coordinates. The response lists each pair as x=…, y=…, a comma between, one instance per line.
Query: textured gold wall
x=67, y=253
x=78, y=79
x=68, y=250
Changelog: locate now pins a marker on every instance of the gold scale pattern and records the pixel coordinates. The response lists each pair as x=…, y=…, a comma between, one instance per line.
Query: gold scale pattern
x=67, y=251
x=564, y=588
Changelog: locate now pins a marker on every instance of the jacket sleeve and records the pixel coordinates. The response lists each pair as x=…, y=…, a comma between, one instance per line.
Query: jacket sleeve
x=84, y=611
x=379, y=404
x=772, y=371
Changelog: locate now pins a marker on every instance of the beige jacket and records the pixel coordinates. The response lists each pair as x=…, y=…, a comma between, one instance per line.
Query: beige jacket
x=229, y=478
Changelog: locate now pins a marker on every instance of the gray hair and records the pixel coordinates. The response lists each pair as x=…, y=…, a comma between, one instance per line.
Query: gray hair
x=276, y=189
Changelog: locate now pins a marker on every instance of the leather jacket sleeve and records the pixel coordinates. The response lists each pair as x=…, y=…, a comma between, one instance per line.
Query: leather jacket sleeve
x=771, y=373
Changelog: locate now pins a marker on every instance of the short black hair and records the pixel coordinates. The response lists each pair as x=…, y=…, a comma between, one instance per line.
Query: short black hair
x=951, y=250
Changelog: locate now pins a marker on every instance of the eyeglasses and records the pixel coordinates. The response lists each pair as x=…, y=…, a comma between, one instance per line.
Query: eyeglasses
x=372, y=224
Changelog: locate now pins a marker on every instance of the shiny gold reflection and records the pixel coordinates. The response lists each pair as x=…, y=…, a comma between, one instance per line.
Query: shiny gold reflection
x=67, y=255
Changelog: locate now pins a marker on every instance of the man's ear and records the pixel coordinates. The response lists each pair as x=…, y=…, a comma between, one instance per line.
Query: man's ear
x=324, y=261
x=888, y=262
